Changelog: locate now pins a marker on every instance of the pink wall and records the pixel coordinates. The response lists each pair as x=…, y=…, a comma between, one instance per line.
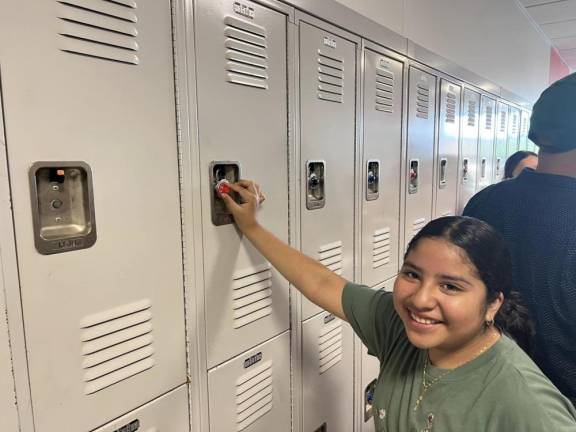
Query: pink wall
x=558, y=68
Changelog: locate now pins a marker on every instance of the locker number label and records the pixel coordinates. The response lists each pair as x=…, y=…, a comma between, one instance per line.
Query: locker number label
x=244, y=10
x=130, y=427
x=250, y=361
x=329, y=42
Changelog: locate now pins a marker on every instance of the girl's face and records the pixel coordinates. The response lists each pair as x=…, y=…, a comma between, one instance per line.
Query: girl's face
x=440, y=298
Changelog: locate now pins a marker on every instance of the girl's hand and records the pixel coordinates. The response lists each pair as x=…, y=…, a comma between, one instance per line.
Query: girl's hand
x=251, y=197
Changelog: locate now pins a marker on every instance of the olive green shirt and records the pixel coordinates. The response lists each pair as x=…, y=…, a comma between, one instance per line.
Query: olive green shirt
x=501, y=390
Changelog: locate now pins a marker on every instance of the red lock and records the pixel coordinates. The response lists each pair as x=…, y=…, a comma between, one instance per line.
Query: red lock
x=223, y=187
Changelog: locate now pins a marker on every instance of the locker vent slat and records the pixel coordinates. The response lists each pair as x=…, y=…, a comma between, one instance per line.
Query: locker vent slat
x=514, y=123
x=330, y=255
x=381, y=252
x=246, y=53
x=101, y=29
x=116, y=344
x=417, y=225
x=489, y=115
x=254, y=395
x=252, y=295
x=330, y=345
x=385, y=86
x=503, y=115
x=472, y=113
x=450, y=107
x=422, y=101
x=330, y=78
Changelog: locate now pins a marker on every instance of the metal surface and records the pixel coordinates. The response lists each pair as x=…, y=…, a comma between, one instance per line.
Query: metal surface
x=469, y=164
x=486, y=142
x=513, y=131
x=500, y=151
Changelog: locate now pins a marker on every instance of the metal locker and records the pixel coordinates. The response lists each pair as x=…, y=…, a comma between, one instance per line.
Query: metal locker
x=420, y=151
x=370, y=370
x=469, y=165
x=485, y=163
x=243, y=132
x=500, y=143
x=381, y=164
x=91, y=143
x=446, y=176
x=168, y=413
x=251, y=392
x=8, y=406
x=513, y=131
x=327, y=142
x=327, y=363
x=525, y=143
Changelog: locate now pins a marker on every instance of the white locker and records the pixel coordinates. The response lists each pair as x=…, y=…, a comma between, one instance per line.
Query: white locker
x=513, y=131
x=91, y=143
x=446, y=176
x=500, y=143
x=243, y=132
x=469, y=165
x=327, y=380
x=327, y=141
x=382, y=149
x=251, y=392
x=168, y=413
x=420, y=151
x=525, y=143
x=8, y=407
x=485, y=167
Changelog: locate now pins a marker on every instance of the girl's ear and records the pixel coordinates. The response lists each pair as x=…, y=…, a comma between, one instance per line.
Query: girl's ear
x=493, y=308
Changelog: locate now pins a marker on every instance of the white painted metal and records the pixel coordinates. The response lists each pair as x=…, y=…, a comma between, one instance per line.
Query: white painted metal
x=469, y=166
x=525, y=143
x=500, y=143
x=486, y=142
x=110, y=104
x=513, y=130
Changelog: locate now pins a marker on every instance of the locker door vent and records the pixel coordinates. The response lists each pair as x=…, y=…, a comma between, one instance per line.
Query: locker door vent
x=381, y=253
x=116, y=345
x=503, y=115
x=514, y=124
x=330, y=78
x=331, y=256
x=102, y=29
x=489, y=115
x=450, y=107
x=330, y=345
x=471, y=113
x=423, y=101
x=253, y=395
x=246, y=53
x=252, y=294
x=417, y=225
x=384, y=90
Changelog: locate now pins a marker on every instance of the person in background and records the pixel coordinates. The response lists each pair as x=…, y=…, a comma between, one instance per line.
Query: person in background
x=447, y=363
x=536, y=214
x=516, y=163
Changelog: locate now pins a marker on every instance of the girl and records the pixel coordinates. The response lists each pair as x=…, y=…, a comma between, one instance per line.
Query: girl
x=446, y=360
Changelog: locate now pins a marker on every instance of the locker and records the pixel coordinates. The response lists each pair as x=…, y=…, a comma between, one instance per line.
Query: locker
x=93, y=167
x=469, y=164
x=243, y=121
x=485, y=167
x=168, y=413
x=251, y=392
x=446, y=176
x=420, y=151
x=513, y=131
x=327, y=141
x=381, y=166
x=525, y=143
x=327, y=351
x=500, y=143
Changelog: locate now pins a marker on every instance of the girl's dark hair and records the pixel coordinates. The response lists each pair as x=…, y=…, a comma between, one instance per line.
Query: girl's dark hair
x=513, y=161
x=488, y=253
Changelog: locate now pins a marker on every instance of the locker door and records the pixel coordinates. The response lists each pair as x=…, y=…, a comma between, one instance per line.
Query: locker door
x=327, y=374
x=525, y=143
x=420, y=156
x=468, y=148
x=381, y=167
x=485, y=165
x=91, y=143
x=513, y=131
x=447, y=152
x=500, y=151
x=327, y=136
x=243, y=118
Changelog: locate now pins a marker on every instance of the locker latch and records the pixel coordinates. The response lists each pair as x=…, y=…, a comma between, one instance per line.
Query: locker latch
x=442, y=174
x=315, y=185
x=62, y=206
x=498, y=162
x=323, y=428
x=222, y=173
x=465, y=170
x=372, y=180
x=483, y=168
x=413, y=176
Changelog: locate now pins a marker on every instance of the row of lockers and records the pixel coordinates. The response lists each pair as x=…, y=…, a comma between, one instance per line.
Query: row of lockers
x=132, y=286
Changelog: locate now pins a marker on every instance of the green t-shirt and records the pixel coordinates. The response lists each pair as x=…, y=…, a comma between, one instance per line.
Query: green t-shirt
x=502, y=390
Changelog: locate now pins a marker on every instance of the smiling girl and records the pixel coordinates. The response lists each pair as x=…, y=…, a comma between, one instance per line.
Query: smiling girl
x=447, y=361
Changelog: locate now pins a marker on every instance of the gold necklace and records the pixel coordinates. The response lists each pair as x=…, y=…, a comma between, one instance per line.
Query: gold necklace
x=427, y=385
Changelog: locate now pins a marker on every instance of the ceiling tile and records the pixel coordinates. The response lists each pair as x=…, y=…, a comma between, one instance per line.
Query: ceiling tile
x=560, y=30
x=553, y=12
x=564, y=43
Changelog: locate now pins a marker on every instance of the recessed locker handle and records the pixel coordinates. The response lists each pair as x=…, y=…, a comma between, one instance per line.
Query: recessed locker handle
x=315, y=184
x=465, y=169
x=498, y=166
x=413, y=176
x=442, y=175
x=483, y=168
x=372, y=180
x=222, y=173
